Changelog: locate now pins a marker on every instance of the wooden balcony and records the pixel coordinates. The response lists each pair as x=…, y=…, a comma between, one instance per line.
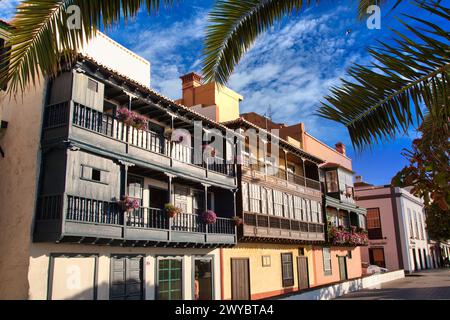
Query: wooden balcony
x=67, y=218
x=104, y=133
x=273, y=228
x=282, y=178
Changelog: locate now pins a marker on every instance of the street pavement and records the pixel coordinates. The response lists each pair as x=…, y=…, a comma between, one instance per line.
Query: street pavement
x=425, y=285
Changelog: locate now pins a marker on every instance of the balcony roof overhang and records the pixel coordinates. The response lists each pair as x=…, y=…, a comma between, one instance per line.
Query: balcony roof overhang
x=242, y=123
x=338, y=204
x=146, y=101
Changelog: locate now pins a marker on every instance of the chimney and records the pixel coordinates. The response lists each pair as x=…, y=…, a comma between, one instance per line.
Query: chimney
x=340, y=147
x=189, y=82
x=358, y=179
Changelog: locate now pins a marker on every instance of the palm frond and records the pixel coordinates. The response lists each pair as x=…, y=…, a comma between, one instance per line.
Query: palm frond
x=363, y=5
x=234, y=26
x=383, y=97
x=40, y=34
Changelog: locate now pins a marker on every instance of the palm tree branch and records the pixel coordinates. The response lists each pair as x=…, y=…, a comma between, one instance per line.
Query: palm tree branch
x=400, y=91
x=376, y=104
x=40, y=34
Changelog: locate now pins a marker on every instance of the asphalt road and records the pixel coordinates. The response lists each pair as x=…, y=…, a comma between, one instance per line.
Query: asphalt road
x=426, y=285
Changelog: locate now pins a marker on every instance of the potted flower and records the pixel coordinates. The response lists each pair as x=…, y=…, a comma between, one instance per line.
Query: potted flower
x=129, y=204
x=172, y=210
x=209, y=217
x=125, y=115
x=210, y=150
x=168, y=133
x=237, y=221
x=139, y=121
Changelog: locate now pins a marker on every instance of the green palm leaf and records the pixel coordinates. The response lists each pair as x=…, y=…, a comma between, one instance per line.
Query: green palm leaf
x=236, y=24
x=378, y=104
x=40, y=34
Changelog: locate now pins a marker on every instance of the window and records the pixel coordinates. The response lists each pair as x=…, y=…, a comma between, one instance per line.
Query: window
x=169, y=279
x=316, y=211
x=420, y=226
x=93, y=174
x=362, y=221
x=203, y=279
x=286, y=205
x=376, y=257
x=245, y=206
x=267, y=198
x=416, y=227
x=411, y=228
x=332, y=181
x=326, y=261
x=305, y=210
x=287, y=269
x=198, y=202
x=96, y=175
x=278, y=203
x=374, y=223
x=135, y=186
x=92, y=85
x=266, y=261
x=255, y=198
x=298, y=214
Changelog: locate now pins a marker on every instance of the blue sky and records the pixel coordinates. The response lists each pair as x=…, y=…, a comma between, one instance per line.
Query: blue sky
x=289, y=69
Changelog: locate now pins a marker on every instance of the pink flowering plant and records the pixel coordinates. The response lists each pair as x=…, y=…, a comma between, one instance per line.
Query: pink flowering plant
x=139, y=121
x=209, y=217
x=129, y=204
x=125, y=115
x=353, y=237
x=132, y=118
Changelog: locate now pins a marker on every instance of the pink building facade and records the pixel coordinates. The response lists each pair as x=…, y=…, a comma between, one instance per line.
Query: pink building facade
x=396, y=228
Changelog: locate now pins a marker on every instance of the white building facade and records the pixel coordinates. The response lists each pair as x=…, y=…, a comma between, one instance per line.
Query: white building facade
x=396, y=226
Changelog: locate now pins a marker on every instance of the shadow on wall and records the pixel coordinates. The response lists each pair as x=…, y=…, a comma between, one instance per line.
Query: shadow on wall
x=339, y=290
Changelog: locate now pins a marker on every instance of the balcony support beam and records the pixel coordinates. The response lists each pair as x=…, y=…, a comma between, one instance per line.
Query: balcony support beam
x=285, y=164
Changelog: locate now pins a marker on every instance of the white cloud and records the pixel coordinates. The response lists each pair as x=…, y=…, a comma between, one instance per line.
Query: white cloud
x=8, y=9
x=290, y=68
x=169, y=48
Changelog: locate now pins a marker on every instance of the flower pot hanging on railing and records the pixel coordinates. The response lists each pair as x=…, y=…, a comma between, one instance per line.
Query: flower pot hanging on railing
x=139, y=121
x=238, y=221
x=168, y=133
x=209, y=217
x=210, y=150
x=172, y=210
x=132, y=118
x=129, y=204
x=125, y=115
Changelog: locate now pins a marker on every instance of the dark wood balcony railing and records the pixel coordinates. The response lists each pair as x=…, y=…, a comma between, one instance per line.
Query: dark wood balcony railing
x=88, y=210
x=280, y=173
x=107, y=124
x=69, y=218
x=93, y=211
x=152, y=218
x=274, y=222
